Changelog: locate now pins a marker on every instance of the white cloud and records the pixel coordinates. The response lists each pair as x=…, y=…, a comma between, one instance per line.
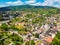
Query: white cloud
x=51, y=3
x=30, y=2
x=57, y=0
x=15, y=3
x=58, y=6
x=34, y=3
x=46, y=3
x=2, y=5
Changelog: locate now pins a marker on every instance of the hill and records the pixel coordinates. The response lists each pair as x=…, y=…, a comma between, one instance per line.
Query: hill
x=24, y=7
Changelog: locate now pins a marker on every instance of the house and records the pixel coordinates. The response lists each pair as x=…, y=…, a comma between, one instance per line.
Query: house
x=58, y=26
x=51, y=32
x=48, y=39
x=52, y=35
x=10, y=32
x=0, y=24
x=5, y=17
x=46, y=26
x=39, y=43
x=19, y=25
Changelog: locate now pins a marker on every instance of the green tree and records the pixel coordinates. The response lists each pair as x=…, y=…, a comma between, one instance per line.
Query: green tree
x=32, y=42
x=4, y=26
x=56, y=40
x=27, y=43
x=37, y=35
x=16, y=39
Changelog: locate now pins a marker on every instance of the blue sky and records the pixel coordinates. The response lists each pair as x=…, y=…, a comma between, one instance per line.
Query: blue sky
x=54, y=3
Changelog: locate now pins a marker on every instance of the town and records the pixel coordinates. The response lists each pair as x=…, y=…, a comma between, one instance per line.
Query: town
x=28, y=28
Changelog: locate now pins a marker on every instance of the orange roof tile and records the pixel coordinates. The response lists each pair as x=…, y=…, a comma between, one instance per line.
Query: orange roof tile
x=48, y=39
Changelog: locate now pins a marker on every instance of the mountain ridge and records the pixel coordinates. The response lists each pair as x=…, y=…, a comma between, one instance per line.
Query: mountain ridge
x=24, y=6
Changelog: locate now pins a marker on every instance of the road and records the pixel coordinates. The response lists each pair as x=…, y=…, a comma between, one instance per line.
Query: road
x=1, y=22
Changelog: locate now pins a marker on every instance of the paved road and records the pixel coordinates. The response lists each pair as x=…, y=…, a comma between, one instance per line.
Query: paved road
x=4, y=21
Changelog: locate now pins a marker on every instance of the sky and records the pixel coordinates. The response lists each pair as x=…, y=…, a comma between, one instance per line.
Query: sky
x=54, y=3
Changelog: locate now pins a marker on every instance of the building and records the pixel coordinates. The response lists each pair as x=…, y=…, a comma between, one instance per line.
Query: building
x=48, y=39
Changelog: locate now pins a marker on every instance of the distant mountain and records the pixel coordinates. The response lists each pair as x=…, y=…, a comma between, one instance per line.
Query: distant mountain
x=5, y=9
x=29, y=6
x=25, y=7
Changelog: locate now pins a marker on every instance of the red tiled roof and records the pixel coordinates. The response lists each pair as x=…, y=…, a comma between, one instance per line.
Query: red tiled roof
x=48, y=39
